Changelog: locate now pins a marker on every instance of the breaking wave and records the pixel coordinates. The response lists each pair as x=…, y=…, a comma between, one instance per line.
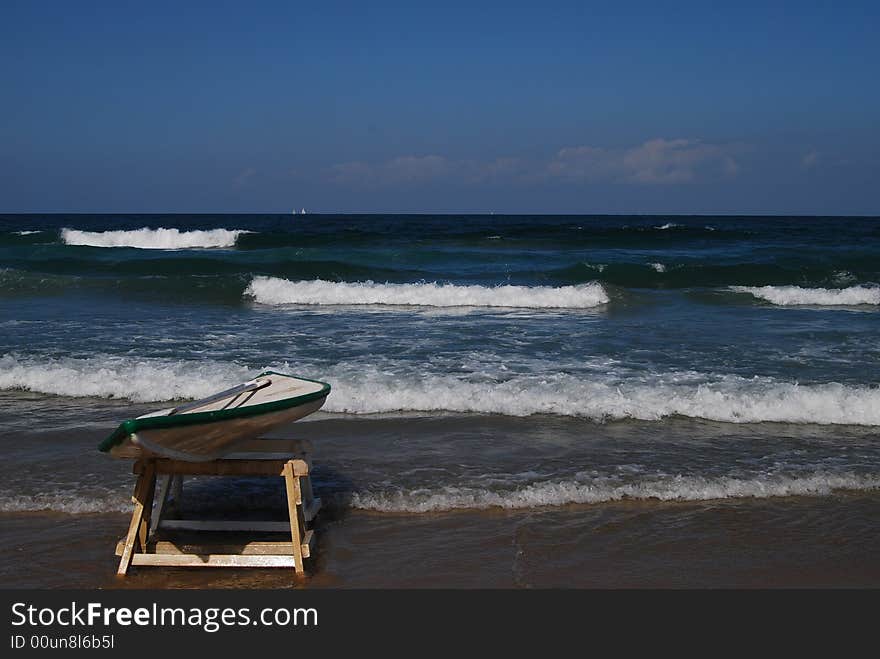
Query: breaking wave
x=730, y=399
x=438, y=498
x=275, y=291
x=68, y=502
x=601, y=490
x=106, y=376
x=146, y=238
x=366, y=390
x=796, y=295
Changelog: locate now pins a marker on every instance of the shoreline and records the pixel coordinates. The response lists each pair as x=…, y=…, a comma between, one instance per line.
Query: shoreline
x=794, y=542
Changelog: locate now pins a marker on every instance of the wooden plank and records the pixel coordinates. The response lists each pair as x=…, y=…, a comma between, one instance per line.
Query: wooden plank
x=144, y=530
x=308, y=541
x=141, y=490
x=177, y=490
x=306, y=484
x=300, y=467
x=311, y=509
x=247, y=548
x=294, y=509
x=164, y=494
x=219, y=467
x=130, y=451
x=287, y=445
x=224, y=525
x=265, y=455
x=259, y=465
x=215, y=560
x=290, y=446
x=257, y=548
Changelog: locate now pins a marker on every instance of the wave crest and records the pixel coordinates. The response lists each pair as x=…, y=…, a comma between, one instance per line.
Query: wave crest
x=105, y=376
x=796, y=295
x=366, y=390
x=574, y=491
x=146, y=238
x=568, y=492
x=730, y=399
x=275, y=291
x=71, y=503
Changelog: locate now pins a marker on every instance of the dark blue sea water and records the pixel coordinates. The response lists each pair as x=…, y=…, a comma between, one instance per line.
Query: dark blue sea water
x=477, y=362
x=601, y=318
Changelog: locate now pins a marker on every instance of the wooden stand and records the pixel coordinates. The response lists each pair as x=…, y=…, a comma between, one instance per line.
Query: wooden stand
x=262, y=457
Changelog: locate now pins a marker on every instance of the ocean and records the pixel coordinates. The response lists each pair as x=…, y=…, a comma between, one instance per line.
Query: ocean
x=517, y=401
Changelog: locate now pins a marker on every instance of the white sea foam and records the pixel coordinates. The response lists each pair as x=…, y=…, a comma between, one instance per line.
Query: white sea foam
x=26, y=233
x=669, y=225
x=658, y=267
x=360, y=389
x=146, y=238
x=576, y=490
x=275, y=291
x=591, y=491
x=843, y=277
x=719, y=398
x=106, y=376
x=68, y=501
x=796, y=295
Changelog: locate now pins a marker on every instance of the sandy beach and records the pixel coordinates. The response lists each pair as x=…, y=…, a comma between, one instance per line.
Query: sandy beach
x=816, y=539
x=781, y=544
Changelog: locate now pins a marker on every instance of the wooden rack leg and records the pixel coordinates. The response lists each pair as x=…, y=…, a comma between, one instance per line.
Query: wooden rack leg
x=301, y=508
x=306, y=485
x=164, y=495
x=144, y=530
x=177, y=490
x=297, y=520
x=140, y=518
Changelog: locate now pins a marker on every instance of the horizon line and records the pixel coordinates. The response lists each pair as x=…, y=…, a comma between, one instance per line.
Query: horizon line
x=461, y=213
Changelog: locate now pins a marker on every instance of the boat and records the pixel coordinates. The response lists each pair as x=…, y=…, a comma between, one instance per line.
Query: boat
x=212, y=427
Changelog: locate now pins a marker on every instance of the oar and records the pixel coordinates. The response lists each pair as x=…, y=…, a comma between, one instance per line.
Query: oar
x=253, y=385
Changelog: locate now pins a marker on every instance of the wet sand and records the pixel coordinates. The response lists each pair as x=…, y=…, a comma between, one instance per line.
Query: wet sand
x=784, y=542
x=484, y=502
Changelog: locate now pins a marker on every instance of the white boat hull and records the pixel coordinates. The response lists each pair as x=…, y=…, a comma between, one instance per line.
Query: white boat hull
x=210, y=441
x=211, y=428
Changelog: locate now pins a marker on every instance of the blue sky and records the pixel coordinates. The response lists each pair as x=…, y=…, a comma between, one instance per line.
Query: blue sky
x=357, y=107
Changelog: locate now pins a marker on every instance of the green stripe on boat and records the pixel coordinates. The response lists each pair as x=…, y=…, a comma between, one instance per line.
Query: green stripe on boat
x=132, y=426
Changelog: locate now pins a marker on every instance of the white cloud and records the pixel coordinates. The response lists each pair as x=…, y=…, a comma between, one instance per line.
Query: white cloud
x=243, y=177
x=500, y=169
x=810, y=159
x=404, y=169
x=657, y=161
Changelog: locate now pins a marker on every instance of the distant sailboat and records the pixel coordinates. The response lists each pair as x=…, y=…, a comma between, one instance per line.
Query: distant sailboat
x=303, y=211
